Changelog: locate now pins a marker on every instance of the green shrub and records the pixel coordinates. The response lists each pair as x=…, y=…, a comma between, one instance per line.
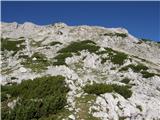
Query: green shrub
x=79, y=46
x=146, y=74
x=101, y=52
x=38, y=88
x=110, y=51
x=37, y=98
x=63, y=55
x=3, y=96
x=10, y=45
x=115, y=56
x=119, y=58
x=139, y=68
x=135, y=68
x=61, y=58
x=88, y=42
x=108, y=34
x=21, y=37
x=121, y=35
x=98, y=88
x=125, y=80
x=104, y=88
x=103, y=60
x=23, y=56
x=139, y=107
x=29, y=109
x=125, y=68
x=55, y=43
x=122, y=90
x=59, y=62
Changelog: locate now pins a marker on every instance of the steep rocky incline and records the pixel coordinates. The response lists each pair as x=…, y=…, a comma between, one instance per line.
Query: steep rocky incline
x=111, y=75
x=117, y=38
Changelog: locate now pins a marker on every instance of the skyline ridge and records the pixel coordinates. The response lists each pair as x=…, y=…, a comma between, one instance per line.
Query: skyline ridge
x=140, y=18
x=75, y=26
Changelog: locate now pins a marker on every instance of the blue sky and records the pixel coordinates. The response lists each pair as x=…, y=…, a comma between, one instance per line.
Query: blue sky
x=142, y=19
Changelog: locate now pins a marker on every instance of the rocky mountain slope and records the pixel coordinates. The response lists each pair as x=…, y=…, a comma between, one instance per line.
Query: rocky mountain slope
x=109, y=74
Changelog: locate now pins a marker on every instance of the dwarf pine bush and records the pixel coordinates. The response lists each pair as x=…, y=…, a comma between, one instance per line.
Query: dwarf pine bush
x=98, y=88
x=135, y=68
x=123, y=35
x=55, y=43
x=12, y=45
x=119, y=58
x=37, y=98
x=125, y=80
x=147, y=74
x=79, y=46
x=107, y=88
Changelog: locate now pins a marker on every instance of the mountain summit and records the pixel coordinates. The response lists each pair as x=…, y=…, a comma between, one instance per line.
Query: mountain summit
x=78, y=72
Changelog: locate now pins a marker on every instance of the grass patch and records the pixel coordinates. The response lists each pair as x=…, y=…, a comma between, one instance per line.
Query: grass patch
x=82, y=103
x=107, y=88
x=37, y=65
x=62, y=114
x=37, y=98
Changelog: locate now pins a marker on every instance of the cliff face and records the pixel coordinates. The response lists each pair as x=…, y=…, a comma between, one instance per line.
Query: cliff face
x=86, y=55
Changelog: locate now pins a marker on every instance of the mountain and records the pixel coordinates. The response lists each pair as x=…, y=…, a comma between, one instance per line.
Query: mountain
x=84, y=72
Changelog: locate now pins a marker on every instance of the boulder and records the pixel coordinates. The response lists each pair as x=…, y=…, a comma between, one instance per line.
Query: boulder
x=71, y=117
x=22, y=69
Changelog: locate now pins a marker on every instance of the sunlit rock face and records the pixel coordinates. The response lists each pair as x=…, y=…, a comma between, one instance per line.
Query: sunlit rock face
x=86, y=55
